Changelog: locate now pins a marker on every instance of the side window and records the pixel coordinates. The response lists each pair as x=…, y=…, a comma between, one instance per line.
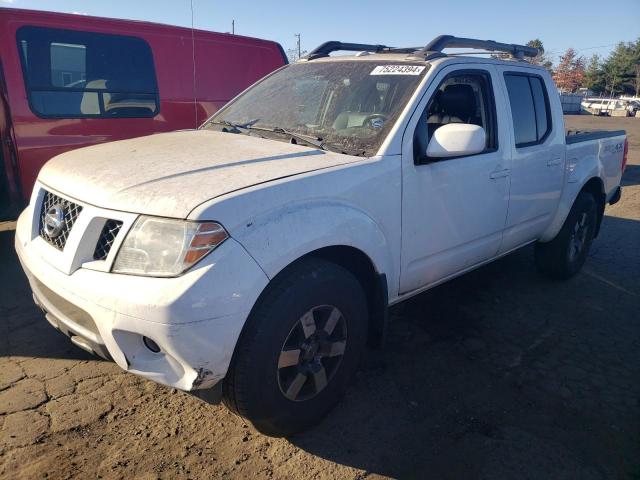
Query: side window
x=71, y=74
x=540, y=103
x=462, y=97
x=529, y=108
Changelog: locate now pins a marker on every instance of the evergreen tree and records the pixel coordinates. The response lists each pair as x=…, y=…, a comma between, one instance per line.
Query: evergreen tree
x=619, y=69
x=540, y=59
x=594, y=76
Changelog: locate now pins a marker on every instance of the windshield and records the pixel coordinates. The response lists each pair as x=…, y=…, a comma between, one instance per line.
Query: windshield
x=345, y=106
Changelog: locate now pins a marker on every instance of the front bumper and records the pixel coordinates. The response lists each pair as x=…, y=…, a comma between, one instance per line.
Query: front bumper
x=196, y=319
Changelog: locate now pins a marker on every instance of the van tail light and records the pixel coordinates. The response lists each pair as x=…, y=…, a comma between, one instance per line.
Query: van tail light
x=624, y=154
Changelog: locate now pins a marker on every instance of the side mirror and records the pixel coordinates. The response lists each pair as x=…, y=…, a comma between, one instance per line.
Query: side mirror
x=455, y=140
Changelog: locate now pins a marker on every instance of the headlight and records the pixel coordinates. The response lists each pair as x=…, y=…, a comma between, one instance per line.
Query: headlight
x=163, y=247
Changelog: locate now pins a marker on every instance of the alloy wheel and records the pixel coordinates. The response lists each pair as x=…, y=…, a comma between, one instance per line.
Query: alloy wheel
x=312, y=352
x=578, y=238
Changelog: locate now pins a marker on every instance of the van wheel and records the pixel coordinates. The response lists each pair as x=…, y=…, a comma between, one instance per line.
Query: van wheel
x=563, y=257
x=300, y=346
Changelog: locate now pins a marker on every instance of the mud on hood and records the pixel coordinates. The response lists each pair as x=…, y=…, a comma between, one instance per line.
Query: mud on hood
x=169, y=174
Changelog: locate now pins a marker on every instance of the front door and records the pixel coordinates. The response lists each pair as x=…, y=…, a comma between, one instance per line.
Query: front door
x=454, y=210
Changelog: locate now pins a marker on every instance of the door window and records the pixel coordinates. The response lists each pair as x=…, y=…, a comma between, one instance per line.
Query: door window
x=71, y=74
x=529, y=108
x=462, y=97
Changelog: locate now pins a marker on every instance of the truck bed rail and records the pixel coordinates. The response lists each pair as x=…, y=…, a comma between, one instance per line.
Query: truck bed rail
x=576, y=136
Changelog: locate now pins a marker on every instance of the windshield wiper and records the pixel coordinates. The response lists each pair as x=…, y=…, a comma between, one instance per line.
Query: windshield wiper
x=312, y=140
x=315, y=141
x=236, y=127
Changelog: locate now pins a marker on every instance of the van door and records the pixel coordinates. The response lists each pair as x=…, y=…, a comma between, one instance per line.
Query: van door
x=453, y=210
x=538, y=155
x=8, y=182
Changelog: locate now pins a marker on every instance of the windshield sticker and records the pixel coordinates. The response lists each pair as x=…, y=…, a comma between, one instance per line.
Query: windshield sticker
x=398, y=70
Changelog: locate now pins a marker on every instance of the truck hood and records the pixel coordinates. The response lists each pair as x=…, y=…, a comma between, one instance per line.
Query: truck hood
x=169, y=174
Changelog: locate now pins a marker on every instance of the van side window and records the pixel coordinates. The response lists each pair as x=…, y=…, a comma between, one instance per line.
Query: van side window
x=72, y=74
x=462, y=97
x=529, y=108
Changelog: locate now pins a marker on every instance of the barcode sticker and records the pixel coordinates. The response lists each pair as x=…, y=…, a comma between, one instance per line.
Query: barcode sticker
x=398, y=70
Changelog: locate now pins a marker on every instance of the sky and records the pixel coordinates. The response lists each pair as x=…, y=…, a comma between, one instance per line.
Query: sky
x=589, y=26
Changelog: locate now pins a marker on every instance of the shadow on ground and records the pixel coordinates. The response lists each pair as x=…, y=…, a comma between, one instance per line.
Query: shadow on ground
x=631, y=176
x=497, y=374
x=24, y=330
x=501, y=373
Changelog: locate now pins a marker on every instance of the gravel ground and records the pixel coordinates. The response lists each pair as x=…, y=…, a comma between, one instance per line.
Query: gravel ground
x=499, y=374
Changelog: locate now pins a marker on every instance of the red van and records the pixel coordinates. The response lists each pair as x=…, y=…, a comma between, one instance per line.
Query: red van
x=68, y=81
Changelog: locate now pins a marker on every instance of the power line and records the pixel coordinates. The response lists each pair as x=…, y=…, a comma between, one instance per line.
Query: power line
x=551, y=52
x=599, y=46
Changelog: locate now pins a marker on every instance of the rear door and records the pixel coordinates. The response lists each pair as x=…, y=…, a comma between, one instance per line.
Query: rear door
x=454, y=210
x=538, y=154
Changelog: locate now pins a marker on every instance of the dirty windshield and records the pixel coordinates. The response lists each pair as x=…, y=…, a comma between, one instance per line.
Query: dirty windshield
x=344, y=106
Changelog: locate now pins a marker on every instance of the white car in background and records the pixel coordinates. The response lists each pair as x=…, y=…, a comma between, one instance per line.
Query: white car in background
x=603, y=106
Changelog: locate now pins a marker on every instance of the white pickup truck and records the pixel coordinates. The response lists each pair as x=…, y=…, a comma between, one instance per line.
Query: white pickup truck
x=254, y=258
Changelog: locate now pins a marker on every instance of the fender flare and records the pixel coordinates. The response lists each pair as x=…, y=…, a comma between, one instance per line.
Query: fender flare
x=579, y=174
x=281, y=236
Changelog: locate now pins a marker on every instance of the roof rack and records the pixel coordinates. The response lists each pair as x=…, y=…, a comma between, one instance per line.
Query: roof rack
x=432, y=50
x=333, y=46
x=434, y=47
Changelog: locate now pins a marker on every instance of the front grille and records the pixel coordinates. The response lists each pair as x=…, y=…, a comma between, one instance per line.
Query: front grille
x=107, y=237
x=58, y=238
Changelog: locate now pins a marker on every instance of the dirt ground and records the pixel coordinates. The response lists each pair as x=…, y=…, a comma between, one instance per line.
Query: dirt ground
x=499, y=374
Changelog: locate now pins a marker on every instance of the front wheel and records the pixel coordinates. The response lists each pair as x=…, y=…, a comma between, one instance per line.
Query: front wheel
x=299, y=348
x=563, y=257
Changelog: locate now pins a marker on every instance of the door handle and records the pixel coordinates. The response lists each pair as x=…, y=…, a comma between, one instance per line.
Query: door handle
x=499, y=174
x=554, y=161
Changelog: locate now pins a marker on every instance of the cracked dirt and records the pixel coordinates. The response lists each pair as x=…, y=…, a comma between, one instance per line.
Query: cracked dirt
x=499, y=374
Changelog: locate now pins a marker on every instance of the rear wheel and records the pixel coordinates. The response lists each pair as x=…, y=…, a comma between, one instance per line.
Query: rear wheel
x=299, y=348
x=563, y=257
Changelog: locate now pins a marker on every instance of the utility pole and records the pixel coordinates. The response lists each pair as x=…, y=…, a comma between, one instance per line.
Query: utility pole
x=637, y=80
x=297, y=35
x=233, y=27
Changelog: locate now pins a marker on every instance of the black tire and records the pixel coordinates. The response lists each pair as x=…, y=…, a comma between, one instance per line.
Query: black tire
x=563, y=257
x=256, y=384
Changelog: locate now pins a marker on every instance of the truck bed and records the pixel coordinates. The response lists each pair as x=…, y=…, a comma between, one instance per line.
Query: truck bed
x=600, y=151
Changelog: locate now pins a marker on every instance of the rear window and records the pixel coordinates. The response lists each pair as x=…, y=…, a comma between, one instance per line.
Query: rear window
x=71, y=74
x=529, y=108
